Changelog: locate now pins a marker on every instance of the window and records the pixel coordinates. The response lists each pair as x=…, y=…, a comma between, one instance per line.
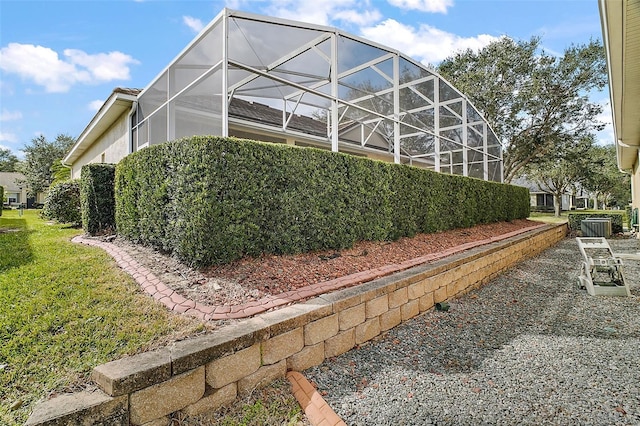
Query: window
x=544, y=200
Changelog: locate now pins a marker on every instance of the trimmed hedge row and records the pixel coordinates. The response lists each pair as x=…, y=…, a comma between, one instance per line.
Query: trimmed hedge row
x=97, y=200
x=210, y=200
x=616, y=220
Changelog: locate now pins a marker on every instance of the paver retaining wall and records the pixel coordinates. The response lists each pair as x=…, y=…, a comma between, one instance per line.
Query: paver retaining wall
x=204, y=373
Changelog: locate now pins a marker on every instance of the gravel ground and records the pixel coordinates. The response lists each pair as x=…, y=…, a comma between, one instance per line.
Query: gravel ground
x=528, y=348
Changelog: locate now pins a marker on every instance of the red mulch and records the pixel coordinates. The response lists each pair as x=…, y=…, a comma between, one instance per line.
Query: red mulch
x=274, y=274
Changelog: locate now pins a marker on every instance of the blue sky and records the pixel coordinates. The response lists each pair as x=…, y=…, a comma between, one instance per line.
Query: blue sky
x=60, y=60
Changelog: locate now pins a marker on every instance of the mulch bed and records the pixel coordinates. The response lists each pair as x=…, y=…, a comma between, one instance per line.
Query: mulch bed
x=250, y=279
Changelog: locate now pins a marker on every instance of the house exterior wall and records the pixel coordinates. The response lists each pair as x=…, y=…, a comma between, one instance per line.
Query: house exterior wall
x=111, y=147
x=546, y=201
x=635, y=186
x=15, y=193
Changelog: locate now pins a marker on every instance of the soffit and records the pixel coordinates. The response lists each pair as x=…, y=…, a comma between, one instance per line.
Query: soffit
x=621, y=30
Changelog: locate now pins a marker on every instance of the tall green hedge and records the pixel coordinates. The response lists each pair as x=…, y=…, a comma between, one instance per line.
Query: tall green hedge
x=97, y=200
x=211, y=200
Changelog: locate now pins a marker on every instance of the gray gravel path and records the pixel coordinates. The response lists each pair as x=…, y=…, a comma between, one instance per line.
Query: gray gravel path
x=529, y=348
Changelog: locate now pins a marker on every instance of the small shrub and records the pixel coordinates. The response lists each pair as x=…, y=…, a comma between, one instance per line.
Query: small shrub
x=97, y=200
x=62, y=203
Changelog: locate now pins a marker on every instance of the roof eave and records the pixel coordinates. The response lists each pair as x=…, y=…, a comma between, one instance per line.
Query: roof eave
x=621, y=46
x=104, y=118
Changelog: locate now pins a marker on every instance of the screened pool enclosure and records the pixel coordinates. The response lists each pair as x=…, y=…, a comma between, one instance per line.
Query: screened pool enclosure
x=282, y=81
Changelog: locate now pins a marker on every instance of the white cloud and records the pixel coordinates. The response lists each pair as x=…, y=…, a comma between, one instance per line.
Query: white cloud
x=432, y=6
x=7, y=115
x=8, y=137
x=40, y=64
x=102, y=67
x=234, y=4
x=361, y=18
x=316, y=12
x=95, y=105
x=43, y=66
x=425, y=43
x=195, y=24
x=325, y=12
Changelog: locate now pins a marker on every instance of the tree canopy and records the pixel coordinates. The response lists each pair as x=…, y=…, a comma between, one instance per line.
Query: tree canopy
x=8, y=161
x=40, y=156
x=583, y=166
x=610, y=185
x=563, y=170
x=532, y=100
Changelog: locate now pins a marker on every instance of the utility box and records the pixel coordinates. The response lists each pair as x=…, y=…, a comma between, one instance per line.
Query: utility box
x=596, y=227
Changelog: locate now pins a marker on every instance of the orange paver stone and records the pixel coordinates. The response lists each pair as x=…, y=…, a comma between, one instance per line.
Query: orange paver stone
x=315, y=407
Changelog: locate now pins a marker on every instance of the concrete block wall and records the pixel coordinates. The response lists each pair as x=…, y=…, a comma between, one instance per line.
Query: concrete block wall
x=207, y=372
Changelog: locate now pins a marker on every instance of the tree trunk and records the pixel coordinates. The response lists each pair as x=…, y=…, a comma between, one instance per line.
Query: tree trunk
x=557, y=204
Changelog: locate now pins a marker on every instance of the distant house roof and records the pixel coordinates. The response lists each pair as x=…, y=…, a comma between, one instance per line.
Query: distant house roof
x=534, y=188
x=11, y=181
x=127, y=91
x=524, y=182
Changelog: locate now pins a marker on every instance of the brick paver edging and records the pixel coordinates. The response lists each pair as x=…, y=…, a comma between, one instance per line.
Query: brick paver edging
x=178, y=303
x=318, y=412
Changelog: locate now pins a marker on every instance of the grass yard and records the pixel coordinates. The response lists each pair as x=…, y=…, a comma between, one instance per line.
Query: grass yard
x=548, y=217
x=65, y=308
x=564, y=216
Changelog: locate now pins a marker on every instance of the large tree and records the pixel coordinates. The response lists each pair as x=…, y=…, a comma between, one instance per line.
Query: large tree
x=562, y=170
x=40, y=156
x=8, y=161
x=531, y=99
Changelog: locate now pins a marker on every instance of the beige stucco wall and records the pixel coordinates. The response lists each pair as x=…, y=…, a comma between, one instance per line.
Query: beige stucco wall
x=114, y=144
x=635, y=186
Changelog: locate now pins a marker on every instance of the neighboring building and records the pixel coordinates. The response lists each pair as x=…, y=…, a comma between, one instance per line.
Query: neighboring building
x=621, y=34
x=14, y=190
x=543, y=200
x=289, y=82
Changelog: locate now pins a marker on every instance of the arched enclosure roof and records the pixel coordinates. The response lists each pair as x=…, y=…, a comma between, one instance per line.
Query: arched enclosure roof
x=284, y=81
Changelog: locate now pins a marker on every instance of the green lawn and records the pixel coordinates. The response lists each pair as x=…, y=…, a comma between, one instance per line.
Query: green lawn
x=65, y=308
x=548, y=217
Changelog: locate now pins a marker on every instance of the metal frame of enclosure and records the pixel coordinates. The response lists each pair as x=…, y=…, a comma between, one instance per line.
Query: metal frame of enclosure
x=306, y=84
